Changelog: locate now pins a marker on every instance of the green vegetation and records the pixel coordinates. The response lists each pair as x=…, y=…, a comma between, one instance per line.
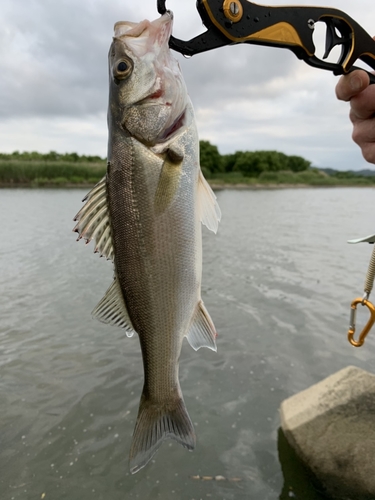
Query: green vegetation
x=52, y=156
x=312, y=177
x=50, y=169
x=270, y=168
x=251, y=168
x=249, y=163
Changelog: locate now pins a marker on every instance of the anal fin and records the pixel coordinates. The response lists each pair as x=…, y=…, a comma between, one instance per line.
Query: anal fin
x=202, y=331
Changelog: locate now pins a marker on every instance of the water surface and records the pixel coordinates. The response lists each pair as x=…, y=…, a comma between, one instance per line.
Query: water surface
x=278, y=281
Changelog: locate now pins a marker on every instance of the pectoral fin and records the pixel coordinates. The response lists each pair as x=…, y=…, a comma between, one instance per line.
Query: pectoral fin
x=202, y=331
x=169, y=180
x=210, y=213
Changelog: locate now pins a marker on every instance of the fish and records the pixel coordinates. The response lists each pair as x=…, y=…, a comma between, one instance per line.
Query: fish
x=146, y=216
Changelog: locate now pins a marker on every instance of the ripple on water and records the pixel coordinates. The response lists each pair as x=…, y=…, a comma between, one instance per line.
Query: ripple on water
x=278, y=281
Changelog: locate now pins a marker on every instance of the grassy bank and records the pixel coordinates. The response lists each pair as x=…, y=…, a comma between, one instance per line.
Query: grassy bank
x=306, y=178
x=58, y=173
x=64, y=173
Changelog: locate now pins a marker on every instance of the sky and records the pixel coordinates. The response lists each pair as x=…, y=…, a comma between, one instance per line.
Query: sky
x=54, y=88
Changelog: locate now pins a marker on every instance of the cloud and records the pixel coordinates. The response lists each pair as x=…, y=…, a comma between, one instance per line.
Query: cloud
x=62, y=134
x=54, y=90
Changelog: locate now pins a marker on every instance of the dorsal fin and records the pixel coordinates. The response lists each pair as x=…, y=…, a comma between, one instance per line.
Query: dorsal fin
x=209, y=210
x=93, y=220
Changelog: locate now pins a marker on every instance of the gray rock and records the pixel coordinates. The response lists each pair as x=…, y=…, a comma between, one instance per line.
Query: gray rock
x=331, y=427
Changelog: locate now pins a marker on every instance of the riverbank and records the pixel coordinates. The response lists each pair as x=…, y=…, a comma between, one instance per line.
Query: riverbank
x=84, y=174
x=214, y=186
x=218, y=187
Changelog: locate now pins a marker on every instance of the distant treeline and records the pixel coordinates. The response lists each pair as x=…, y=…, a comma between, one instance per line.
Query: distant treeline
x=273, y=167
x=249, y=163
x=51, y=156
x=241, y=167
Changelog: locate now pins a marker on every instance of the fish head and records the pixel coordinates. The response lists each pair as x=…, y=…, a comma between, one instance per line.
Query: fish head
x=148, y=96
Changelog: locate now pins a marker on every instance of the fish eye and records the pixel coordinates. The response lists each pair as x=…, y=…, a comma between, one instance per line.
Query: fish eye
x=123, y=69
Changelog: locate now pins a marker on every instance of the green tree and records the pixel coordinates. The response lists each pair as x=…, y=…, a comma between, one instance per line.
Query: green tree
x=51, y=156
x=74, y=157
x=298, y=164
x=210, y=158
x=253, y=163
x=249, y=163
x=229, y=161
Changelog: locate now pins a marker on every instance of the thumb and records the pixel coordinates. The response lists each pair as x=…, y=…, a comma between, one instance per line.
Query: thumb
x=352, y=84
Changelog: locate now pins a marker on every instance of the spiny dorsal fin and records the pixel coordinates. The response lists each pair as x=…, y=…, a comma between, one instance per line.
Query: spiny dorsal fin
x=112, y=309
x=169, y=180
x=93, y=220
x=210, y=213
x=202, y=331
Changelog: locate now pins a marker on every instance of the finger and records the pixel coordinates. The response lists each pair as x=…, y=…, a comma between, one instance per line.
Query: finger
x=368, y=152
x=362, y=106
x=364, y=132
x=352, y=84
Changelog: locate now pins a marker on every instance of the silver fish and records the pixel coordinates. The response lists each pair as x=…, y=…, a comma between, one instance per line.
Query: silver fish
x=146, y=216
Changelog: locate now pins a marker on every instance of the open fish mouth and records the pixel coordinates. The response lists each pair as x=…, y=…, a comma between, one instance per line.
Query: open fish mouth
x=156, y=32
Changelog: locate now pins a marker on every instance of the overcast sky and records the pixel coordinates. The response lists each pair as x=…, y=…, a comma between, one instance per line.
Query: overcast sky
x=54, y=91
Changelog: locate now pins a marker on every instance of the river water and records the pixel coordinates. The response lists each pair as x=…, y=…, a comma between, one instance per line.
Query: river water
x=278, y=280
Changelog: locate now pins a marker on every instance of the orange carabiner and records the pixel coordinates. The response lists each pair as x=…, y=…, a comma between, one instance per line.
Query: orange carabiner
x=367, y=328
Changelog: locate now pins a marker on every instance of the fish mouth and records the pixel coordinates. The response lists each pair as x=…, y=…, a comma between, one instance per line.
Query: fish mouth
x=155, y=95
x=152, y=98
x=159, y=30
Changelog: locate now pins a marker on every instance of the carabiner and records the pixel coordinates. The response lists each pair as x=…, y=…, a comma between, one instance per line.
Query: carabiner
x=367, y=328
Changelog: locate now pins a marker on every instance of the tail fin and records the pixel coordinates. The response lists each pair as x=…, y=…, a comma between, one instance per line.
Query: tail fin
x=155, y=423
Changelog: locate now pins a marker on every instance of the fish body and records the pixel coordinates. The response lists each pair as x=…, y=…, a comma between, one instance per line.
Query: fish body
x=146, y=216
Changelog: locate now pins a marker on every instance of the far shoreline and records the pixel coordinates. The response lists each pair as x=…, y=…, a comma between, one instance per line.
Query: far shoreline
x=256, y=187
x=214, y=186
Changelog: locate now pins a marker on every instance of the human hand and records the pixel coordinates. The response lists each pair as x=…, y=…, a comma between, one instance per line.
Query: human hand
x=355, y=87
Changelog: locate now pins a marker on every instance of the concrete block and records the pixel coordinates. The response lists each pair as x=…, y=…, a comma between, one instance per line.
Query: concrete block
x=331, y=427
